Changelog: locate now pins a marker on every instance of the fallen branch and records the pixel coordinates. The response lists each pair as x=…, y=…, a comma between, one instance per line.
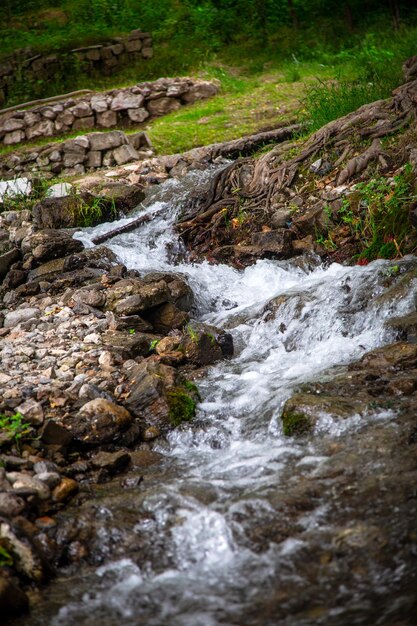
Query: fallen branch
x=126, y=228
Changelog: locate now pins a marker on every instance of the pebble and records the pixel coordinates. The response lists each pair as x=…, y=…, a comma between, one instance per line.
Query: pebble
x=66, y=488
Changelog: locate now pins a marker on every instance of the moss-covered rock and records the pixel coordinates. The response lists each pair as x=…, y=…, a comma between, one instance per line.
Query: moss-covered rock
x=182, y=405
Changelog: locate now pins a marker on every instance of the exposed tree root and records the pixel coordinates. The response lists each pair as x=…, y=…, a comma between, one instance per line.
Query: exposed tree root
x=256, y=187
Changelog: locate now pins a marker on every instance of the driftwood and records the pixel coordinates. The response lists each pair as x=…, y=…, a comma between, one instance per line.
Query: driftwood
x=126, y=228
x=24, y=105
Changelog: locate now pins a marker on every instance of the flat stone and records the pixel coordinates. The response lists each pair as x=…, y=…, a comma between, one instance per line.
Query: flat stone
x=16, y=187
x=53, y=433
x=125, y=154
x=126, y=100
x=107, y=119
x=106, y=141
x=113, y=462
x=162, y=106
x=60, y=190
x=13, y=318
x=138, y=115
x=32, y=411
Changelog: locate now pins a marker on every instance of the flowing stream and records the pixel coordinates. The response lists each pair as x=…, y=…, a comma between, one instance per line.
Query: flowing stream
x=241, y=525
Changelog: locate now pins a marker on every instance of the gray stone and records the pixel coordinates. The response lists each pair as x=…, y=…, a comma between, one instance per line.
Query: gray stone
x=24, y=481
x=15, y=137
x=113, y=462
x=126, y=100
x=12, y=124
x=100, y=421
x=60, y=190
x=147, y=52
x=81, y=109
x=16, y=187
x=133, y=45
x=32, y=411
x=11, y=505
x=73, y=158
x=45, y=128
x=66, y=118
x=106, y=141
x=162, y=106
x=6, y=261
x=31, y=118
x=98, y=104
x=281, y=218
x=94, y=159
x=125, y=154
x=13, y=318
x=201, y=90
x=138, y=115
x=107, y=119
x=51, y=479
x=84, y=122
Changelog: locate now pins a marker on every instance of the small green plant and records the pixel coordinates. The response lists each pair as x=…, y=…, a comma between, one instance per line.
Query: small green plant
x=380, y=220
x=192, y=333
x=153, y=345
x=132, y=331
x=6, y=559
x=326, y=242
x=15, y=427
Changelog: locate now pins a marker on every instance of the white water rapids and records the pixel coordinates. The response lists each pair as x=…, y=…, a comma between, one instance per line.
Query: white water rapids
x=229, y=472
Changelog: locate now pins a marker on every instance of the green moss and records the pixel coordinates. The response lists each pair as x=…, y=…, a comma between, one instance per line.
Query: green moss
x=295, y=423
x=6, y=559
x=181, y=405
x=192, y=388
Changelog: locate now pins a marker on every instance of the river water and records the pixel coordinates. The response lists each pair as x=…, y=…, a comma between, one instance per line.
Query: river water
x=241, y=525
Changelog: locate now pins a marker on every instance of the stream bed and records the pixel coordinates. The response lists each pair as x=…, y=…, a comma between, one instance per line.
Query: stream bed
x=241, y=525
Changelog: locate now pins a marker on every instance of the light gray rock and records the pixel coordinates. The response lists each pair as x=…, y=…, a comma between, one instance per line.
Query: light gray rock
x=162, y=106
x=107, y=119
x=106, y=141
x=32, y=411
x=15, y=137
x=125, y=154
x=12, y=124
x=45, y=128
x=125, y=100
x=138, y=115
x=60, y=190
x=14, y=318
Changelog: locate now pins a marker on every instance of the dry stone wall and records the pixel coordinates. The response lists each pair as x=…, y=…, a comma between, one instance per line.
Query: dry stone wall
x=116, y=108
x=104, y=59
x=78, y=155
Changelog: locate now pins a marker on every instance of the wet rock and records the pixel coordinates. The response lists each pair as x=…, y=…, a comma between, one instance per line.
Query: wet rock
x=54, y=434
x=100, y=421
x=11, y=505
x=49, y=244
x=25, y=560
x=145, y=458
x=275, y=243
x=151, y=433
x=25, y=483
x=144, y=297
x=128, y=345
x=406, y=326
x=13, y=318
x=400, y=355
x=303, y=410
x=112, y=462
x=200, y=345
x=51, y=479
x=148, y=381
x=167, y=317
x=125, y=197
x=13, y=601
x=65, y=490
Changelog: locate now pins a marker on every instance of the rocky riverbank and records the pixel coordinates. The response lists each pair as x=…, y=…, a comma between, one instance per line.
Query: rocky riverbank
x=97, y=362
